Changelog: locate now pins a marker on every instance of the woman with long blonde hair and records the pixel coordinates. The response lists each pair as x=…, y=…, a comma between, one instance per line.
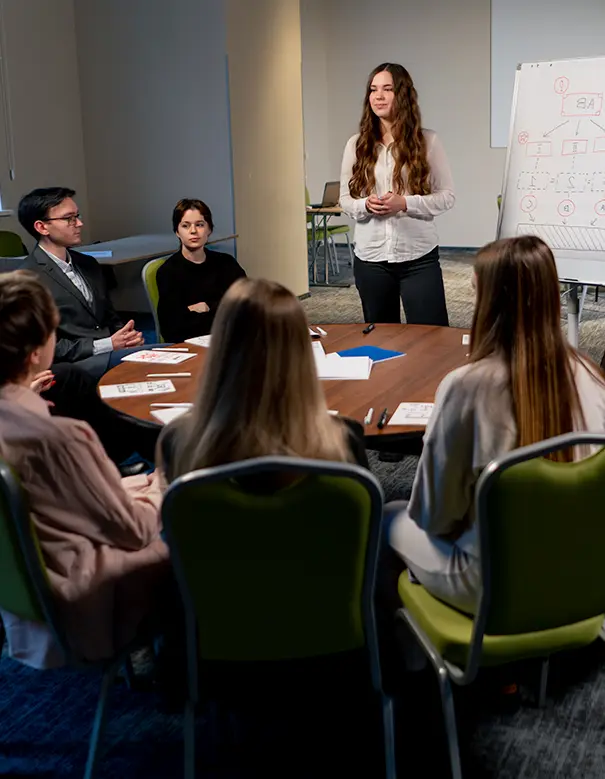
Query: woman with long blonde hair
x=524, y=383
x=259, y=394
x=395, y=180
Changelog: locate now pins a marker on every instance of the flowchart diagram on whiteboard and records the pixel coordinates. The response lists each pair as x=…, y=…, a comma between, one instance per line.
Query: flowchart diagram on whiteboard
x=554, y=184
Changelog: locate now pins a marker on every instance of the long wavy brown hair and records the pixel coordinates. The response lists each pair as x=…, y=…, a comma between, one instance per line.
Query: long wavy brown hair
x=409, y=144
x=518, y=319
x=260, y=394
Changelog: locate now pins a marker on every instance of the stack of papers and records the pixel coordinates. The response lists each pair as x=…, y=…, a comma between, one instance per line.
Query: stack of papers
x=161, y=356
x=199, y=340
x=333, y=366
x=136, y=388
x=412, y=414
x=166, y=415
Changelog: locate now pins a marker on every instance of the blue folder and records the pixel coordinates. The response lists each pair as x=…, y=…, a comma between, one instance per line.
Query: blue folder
x=375, y=353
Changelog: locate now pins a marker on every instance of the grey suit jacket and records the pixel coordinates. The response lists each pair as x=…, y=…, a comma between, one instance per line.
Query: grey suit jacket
x=81, y=323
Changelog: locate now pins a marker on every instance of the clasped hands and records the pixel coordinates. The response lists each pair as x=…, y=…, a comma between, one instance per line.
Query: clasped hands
x=199, y=308
x=127, y=337
x=386, y=205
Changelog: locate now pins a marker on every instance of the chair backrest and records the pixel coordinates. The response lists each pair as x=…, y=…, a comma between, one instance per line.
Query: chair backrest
x=308, y=203
x=24, y=587
x=542, y=537
x=148, y=276
x=11, y=245
x=283, y=575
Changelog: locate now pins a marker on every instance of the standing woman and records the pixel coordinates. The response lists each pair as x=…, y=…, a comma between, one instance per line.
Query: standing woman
x=395, y=180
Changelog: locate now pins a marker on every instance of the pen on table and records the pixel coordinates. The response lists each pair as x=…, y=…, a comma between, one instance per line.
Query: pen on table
x=168, y=375
x=383, y=418
x=169, y=349
x=171, y=405
x=368, y=417
x=368, y=329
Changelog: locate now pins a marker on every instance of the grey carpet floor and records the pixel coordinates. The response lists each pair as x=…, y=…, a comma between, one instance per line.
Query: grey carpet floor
x=566, y=739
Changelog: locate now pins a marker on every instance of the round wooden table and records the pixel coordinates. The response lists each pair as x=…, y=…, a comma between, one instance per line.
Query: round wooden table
x=430, y=353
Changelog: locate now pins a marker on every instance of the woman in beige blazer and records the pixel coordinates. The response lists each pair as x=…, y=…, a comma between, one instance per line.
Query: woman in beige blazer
x=99, y=534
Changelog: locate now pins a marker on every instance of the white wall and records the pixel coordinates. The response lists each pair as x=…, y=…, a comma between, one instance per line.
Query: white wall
x=44, y=98
x=316, y=112
x=446, y=48
x=153, y=79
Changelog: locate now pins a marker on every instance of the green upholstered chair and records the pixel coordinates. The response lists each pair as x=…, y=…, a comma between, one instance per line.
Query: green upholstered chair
x=542, y=536
x=11, y=245
x=303, y=560
x=25, y=592
x=148, y=276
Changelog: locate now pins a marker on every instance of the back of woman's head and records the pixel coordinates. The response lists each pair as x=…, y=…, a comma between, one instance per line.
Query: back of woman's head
x=518, y=304
x=28, y=317
x=259, y=394
x=518, y=319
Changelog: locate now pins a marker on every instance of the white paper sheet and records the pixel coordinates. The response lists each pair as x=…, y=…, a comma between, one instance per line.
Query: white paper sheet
x=136, y=388
x=160, y=357
x=199, y=340
x=166, y=415
x=333, y=366
x=412, y=414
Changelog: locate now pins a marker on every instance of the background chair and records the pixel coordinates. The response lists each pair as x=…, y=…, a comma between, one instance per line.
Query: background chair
x=303, y=557
x=25, y=592
x=542, y=537
x=148, y=276
x=11, y=245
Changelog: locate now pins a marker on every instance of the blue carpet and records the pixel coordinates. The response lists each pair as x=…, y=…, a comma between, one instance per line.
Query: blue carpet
x=46, y=719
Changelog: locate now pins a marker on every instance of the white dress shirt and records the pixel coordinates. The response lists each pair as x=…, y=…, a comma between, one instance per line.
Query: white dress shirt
x=101, y=345
x=406, y=235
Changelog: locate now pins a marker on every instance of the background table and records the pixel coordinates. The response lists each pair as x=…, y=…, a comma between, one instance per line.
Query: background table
x=323, y=213
x=431, y=352
x=128, y=257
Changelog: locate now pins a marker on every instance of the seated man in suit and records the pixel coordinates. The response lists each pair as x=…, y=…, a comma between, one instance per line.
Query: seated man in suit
x=90, y=332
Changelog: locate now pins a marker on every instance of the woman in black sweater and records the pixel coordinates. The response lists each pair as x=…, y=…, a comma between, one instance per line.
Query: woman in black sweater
x=192, y=282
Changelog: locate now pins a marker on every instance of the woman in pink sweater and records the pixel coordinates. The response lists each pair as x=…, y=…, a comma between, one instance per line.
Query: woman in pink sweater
x=99, y=533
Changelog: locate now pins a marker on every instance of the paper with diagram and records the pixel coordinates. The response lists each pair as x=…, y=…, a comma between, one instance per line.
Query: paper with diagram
x=554, y=181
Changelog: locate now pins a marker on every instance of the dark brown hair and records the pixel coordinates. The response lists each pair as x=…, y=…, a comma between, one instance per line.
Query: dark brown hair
x=187, y=204
x=409, y=144
x=260, y=394
x=28, y=317
x=518, y=319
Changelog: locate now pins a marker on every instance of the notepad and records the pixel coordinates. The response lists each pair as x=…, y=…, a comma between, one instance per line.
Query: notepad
x=100, y=254
x=375, y=353
x=136, y=388
x=199, y=340
x=165, y=357
x=333, y=366
x=412, y=414
x=166, y=415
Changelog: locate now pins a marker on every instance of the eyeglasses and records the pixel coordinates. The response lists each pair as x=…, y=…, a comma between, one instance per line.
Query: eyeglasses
x=71, y=219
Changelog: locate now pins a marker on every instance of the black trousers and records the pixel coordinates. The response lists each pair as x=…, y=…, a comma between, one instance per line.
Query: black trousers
x=419, y=283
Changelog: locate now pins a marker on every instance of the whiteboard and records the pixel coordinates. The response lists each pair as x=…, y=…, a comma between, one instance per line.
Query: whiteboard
x=554, y=179
x=532, y=31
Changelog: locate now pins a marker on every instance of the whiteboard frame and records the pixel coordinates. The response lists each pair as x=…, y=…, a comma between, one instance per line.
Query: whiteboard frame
x=585, y=279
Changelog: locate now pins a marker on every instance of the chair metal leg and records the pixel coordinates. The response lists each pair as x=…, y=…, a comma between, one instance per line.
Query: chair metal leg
x=388, y=724
x=350, y=248
x=99, y=722
x=543, y=682
x=449, y=718
x=335, y=251
x=189, y=738
x=582, y=300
